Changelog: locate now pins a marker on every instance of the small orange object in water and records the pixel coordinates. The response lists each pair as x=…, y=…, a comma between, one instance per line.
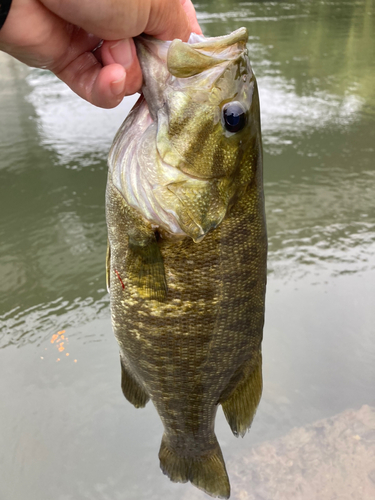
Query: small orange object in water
x=61, y=347
x=54, y=337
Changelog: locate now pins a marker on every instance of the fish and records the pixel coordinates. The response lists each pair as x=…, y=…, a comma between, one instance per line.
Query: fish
x=187, y=248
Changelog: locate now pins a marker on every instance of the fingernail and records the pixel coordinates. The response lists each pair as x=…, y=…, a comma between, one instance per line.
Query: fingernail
x=118, y=86
x=122, y=52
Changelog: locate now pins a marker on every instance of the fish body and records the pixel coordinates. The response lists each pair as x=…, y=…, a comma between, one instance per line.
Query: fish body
x=186, y=262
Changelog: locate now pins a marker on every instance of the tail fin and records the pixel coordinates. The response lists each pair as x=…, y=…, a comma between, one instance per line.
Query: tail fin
x=207, y=472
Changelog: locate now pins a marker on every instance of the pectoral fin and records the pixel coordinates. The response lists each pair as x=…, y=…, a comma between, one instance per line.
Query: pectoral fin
x=145, y=268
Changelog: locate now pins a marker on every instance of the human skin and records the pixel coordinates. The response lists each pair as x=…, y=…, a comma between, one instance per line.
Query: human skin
x=89, y=44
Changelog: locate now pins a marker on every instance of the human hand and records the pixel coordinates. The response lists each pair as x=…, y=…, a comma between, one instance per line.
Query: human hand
x=64, y=37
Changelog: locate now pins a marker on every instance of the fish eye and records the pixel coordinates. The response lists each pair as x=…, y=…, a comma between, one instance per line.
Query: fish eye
x=234, y=116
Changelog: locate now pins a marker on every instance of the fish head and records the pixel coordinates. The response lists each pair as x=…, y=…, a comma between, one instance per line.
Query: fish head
x=191, y=145
x=203, y=95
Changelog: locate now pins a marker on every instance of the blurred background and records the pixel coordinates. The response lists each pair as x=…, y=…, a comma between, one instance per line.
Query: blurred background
x=67, y=433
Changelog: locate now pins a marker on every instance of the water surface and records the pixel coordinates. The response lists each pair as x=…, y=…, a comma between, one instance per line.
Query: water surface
x=67, y=432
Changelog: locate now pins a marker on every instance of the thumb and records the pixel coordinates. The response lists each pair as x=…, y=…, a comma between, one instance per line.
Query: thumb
x=172, y=19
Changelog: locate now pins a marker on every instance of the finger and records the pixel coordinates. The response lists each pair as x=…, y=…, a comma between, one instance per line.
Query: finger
x=44, y=40
x=103, y=87
x=191, y=14
x=124, y=52
x=110, y=20
x=168, y=20
x=117, y=19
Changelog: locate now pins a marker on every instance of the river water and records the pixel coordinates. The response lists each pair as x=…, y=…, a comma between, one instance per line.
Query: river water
x=66, y=431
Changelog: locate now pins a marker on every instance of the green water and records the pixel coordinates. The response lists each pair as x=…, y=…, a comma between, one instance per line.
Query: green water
x=66, y=431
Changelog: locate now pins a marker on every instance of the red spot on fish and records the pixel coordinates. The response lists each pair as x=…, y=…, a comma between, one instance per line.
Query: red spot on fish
x=119, y=277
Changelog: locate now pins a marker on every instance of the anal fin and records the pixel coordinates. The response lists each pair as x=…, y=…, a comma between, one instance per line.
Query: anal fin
x=240, y=407
x=131, y=389
x=206, y=472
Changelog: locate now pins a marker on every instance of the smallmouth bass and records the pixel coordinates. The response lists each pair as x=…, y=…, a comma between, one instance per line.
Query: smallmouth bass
x=187, y=245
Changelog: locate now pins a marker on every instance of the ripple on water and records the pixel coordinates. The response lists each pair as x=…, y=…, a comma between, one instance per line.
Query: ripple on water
x=336, y=248
x=68, y=125
x=38, y=323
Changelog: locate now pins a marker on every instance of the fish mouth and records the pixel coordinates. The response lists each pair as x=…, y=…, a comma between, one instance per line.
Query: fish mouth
x=198, y=54
x=174, y=63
